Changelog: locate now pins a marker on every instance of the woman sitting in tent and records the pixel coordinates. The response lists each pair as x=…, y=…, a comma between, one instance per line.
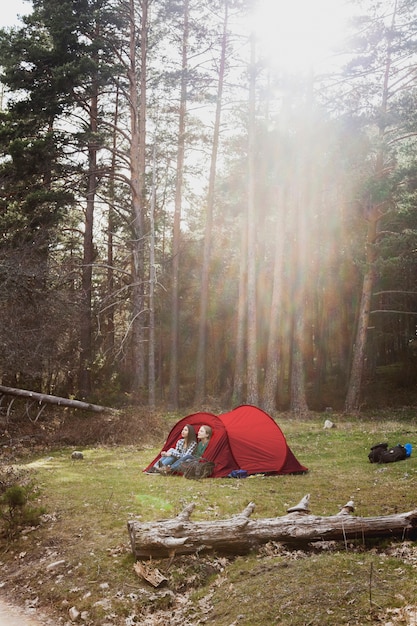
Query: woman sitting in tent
x=245, y=438
x=184, y=447
x=203, y=436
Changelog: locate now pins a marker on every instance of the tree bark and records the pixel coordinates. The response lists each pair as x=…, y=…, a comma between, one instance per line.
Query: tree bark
x=252, y=335
x=152, y=284
x=240, y=534
x=109, y=325
x=176, y=236
x=298, y=399
x=352, y=402
x=47, y=399
x=374, y=214
x=273, y=348
x=239, y=374
x=137, y=181
x=200, y=379
x=86, y=322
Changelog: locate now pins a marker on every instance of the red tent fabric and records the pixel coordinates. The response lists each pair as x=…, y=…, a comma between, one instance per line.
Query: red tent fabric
x=246, y=438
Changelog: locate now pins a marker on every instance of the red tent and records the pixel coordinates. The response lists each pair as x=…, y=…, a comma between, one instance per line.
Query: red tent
x=246, y=438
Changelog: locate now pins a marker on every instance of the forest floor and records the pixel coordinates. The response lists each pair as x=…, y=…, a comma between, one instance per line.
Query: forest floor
x=14, y=616
x=77, y=565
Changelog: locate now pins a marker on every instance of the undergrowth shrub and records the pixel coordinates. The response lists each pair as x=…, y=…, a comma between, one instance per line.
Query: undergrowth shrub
x=17, y=490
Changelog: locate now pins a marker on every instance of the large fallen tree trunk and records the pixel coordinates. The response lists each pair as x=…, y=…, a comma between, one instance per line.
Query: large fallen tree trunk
x=240, y=534
x=43, y=398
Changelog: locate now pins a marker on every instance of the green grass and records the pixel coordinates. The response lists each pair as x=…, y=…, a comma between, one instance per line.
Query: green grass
x=339, y=588
x=89, y=502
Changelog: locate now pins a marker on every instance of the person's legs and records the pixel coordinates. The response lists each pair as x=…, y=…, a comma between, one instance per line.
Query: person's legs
x=177, y=464
x=167, y=460
x=163, y=463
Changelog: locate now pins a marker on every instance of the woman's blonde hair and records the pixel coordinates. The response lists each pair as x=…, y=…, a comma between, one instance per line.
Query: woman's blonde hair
x=208, y=430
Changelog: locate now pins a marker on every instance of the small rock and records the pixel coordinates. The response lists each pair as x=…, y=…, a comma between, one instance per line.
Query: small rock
x=76, y=455
x=74, y=614
x=329, y=424
x=55, y=564
x=105, y=603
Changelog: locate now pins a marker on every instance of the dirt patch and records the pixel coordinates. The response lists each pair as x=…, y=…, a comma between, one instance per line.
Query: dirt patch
x=12, y=616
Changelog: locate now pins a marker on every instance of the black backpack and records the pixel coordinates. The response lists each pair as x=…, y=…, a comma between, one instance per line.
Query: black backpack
x=380, y=453
x=376, y=452
x=397, y=453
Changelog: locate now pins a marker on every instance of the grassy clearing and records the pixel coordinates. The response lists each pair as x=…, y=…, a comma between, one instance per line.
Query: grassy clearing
x=80, y=556
x=336, y=588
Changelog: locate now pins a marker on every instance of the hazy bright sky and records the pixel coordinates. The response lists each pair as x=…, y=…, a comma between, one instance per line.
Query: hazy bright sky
x=11, y=9
x=300, y=33
x=292, y=33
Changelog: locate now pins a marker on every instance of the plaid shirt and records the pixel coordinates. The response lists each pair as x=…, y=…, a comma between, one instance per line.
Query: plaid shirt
x=180, y=449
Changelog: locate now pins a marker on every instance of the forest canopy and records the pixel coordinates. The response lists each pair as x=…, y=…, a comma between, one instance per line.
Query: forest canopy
x=190, y=209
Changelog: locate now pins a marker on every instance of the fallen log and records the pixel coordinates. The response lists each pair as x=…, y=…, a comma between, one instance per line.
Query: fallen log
x=240, y=534
x=43, y=398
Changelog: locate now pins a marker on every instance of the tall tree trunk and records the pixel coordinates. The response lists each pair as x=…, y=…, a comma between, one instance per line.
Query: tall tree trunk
x=298, y=401
x=86, y=331
x=273, y=352
x=176, y=240
x=298, y=395
x=152, y=283
x=301, y=214
x=252, y=363
x=352, y=401
x=200, y=385
x=374, y=213
x=137, y=166
x=239, y=376
x=109, y=338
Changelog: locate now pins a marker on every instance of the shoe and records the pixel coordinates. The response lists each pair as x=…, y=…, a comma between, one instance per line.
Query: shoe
x=152, y=470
